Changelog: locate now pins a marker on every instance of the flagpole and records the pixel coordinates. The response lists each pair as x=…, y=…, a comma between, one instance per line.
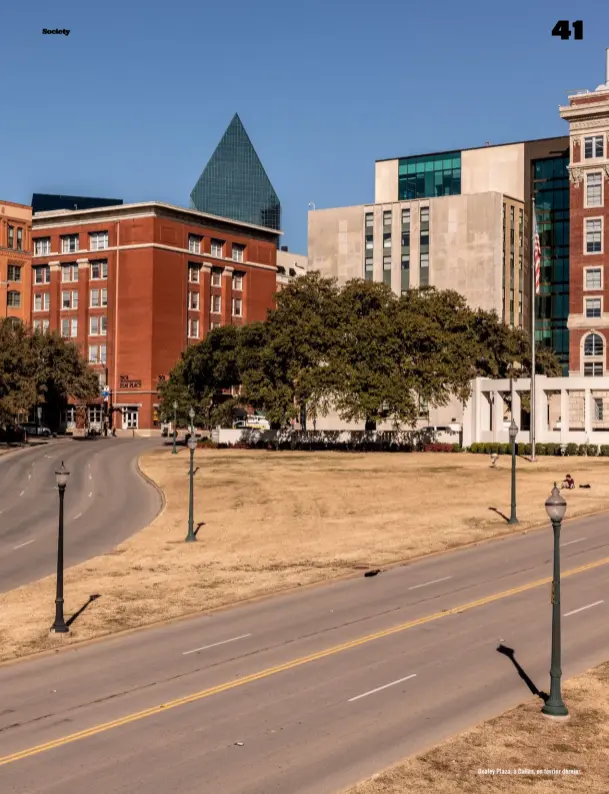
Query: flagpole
x=533, y=291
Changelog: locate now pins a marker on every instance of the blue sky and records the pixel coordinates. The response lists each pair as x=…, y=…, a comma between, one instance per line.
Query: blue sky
x=133, y=102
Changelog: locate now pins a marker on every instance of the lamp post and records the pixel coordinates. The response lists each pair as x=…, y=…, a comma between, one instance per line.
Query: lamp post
x=192, y=445
x=513, y=433
x=175, y=419
x=554, y=706
x=60, y=627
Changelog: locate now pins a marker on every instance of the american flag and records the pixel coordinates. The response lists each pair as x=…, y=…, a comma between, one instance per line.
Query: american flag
x=536, y=254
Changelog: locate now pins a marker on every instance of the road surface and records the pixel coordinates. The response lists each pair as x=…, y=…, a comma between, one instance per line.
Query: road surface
x=106, y=500
x=311, y=691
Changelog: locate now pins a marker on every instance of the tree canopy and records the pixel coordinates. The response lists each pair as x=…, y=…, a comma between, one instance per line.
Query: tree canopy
x=39, y=369
x=362, y=349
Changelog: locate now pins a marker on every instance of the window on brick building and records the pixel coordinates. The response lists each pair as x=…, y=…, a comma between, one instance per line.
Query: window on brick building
x=216, y=324
x=42, y=301
x=593, y=235
x=14, y=273
x=194, y=243
x=193, y=301
x=69, y=299
x=237, y=308
x=194, y=273
x=593, y=147
x=99, y=297
x=42, y=246
x=13, y=299
x=98, y=241
x=217, y=248
x=238, y=252
x=99, y=270
x=594, y=190
x=593, y=278
x=216, y=304
x=93, y=354
x=20, y=239
x=238, y=282
x=69, y=273
x=193, y=329
x=216, y=278
x=69, y=243
x=593, y=307
x=593, y=369
x=98, y=325
x=69, y=328
x=11, y=236
x=42, y=274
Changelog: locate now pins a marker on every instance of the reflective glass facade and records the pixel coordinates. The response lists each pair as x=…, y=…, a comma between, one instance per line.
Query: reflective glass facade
x=429, y=176
x=551, y=192
x=234, y=183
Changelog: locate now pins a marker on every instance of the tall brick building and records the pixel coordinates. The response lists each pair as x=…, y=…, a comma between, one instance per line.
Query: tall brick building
x=15, y=259
x=588, y=323
x=135, y=284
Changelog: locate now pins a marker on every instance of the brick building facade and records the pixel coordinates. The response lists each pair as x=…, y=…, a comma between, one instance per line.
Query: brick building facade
x=15, y=259
x=588, y=117
x=134, y=285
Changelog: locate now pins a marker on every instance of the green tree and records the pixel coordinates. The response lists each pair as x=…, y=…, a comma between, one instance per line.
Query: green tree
x=18, y=387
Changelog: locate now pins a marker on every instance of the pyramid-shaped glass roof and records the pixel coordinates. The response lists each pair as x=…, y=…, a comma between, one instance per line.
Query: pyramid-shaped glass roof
x=234, y=183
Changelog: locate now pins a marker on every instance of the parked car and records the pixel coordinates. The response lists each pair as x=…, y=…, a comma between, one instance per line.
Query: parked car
x=32, y=429
x=252, y=423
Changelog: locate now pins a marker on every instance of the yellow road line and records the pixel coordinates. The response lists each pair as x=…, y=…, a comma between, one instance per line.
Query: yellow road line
x=248, y=679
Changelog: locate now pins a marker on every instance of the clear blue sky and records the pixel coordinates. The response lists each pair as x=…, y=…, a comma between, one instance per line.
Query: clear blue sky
x=134, y=101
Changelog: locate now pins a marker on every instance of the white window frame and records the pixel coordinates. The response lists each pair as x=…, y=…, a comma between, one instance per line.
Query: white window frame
x=98, y=241
x=93, y=359
x=73, y=327
x=100, y=330
x=102, y=264
x=237, y=282
x=602, y=186
x=46, y=274
x=192, y=269
x=11, y=294
x=237, y=303
x=592, y=289
x=42, y=246
x=65, y=240
x=15, y=270
x=592, y=138
x=45, y=325
x=194, y=301
x=215, y=324
x=103, y=353
x=215, y=246
x=72, y=271
x=37, y=325
x=193, y=325
x=586, y=221
x=598, y=298
x=65, y=328
x=239, y=250
x=216, y=299
x=216, y=278
x=369, y=220
x=92, y=303
x=194, y=243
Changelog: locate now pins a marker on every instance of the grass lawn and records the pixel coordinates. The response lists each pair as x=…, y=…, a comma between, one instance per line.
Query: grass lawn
x=519, y=739
x=274, y=520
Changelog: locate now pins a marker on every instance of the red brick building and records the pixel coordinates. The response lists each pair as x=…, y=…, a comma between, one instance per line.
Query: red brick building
x=588, y=323
x=135, y=284
x=15, y=259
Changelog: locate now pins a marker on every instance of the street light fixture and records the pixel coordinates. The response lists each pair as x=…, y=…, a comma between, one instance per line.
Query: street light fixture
x=513, y=433
x=192, y=445
x=554, y=706
x=60, y=627
x=175, y=432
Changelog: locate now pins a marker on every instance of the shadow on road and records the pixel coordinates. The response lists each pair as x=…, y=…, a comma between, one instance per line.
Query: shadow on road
x=499, y=513
x=92, y=598
x=511, y=655
x=198, y=527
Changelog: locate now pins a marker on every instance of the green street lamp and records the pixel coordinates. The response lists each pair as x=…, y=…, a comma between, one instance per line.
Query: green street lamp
x=175, y=432
x=513, y=433
x=60, y=626
x=554, y=706
x=192, y=445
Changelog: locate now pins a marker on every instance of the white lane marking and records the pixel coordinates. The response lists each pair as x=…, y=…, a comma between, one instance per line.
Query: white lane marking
x=581, y=609
x=47, y=456
x=215, y=644
x=435, y=581
x=91, y=494
x=90, y=477
x=78, y=515
x=22, y=492
x=21, y=545
x=380, y=688
x=568, y=543
x=29, y=476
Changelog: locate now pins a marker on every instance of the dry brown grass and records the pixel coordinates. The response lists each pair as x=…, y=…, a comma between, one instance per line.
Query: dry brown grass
x=274, y=520
x=519, y=739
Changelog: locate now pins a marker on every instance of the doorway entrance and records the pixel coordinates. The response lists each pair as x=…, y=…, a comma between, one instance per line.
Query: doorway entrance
x=130, y=417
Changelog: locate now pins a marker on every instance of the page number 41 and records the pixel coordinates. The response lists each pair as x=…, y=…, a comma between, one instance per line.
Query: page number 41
x=562, y=29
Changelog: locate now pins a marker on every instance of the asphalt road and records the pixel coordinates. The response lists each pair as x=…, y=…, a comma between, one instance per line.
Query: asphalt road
x=106, y=500
x=311, y=691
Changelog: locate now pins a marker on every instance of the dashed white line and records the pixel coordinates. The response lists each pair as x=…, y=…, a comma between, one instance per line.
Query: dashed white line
x=91, y=494
x=435, y=581
x=21, y=545
x=215, y=644
x=380, y=688
x=22, y=492
x=29, y=476
x=78, y=515
x=581, y=609
x=569, y=542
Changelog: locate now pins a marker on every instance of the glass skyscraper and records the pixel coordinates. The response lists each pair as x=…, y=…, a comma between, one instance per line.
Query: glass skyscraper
x=429, y=176
x=551, y=192
x=234, y=183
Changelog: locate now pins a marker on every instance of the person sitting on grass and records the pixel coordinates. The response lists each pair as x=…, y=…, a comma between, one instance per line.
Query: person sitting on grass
x=568, y=482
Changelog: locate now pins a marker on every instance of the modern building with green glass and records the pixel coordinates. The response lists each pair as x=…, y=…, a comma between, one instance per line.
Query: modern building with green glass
x=461, y=220
x=234, y=183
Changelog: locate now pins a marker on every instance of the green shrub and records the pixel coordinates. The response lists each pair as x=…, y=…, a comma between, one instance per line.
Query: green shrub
x=605, y=450
x=457, y=448
x=474, y=447
x=541, y=449
x=572, y=449
x=526, y=449
x=592, y=450
x=581, y=450
x=552, y=449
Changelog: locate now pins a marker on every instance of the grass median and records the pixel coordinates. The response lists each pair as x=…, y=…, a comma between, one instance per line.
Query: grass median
x=570, y=756
x=276, y=520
